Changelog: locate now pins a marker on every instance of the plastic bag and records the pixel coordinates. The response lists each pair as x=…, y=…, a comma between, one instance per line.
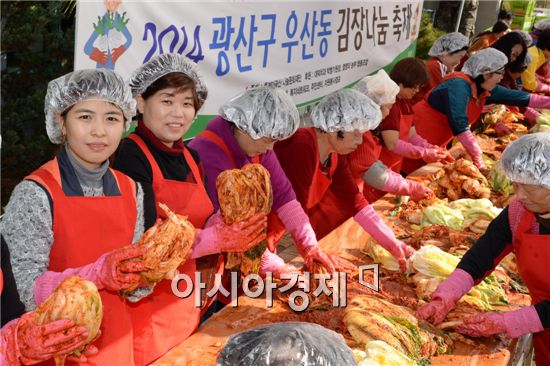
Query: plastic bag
x=286, y=344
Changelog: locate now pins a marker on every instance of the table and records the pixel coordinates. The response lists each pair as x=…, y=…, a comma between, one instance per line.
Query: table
x=203, y=347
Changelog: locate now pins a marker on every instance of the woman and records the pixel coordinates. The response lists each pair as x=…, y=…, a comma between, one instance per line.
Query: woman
x=486, y=39
x=313, y=162
x=74, y=215
x=169, y=93
x=23, y=342
x=243, y=133
x=446, y=52
x=437, y=120
x=540, y=56
x=373, y=178
x=397, y=130
x=522, y=227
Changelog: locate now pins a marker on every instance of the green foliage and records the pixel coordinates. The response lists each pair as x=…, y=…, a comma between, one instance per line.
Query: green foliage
x=37, y=40
x=426, y=37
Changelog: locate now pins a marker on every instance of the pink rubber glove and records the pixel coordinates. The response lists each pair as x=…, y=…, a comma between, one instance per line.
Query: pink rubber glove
x=271, y=262
x=446, y=296
x=541, y=88
x=117, y=273
x=373, y=224
x=418, y=140
x=513, y=324
x=94, y=272
x=27, y=343
x=396, y=184
x=501, y=129
x=217, y=237
x=469, y=142
x=297, y=223
x=540, y=101
x=408, y=150
x=531, y=116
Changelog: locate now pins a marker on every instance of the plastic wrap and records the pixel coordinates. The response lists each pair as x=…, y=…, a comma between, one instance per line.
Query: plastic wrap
x=286, y=344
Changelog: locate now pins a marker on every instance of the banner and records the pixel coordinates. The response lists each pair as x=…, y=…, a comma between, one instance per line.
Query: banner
x=308, y=48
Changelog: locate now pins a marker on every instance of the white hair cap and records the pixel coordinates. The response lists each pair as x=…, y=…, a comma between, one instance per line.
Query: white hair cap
x=71, y=88
x=379, y=87
x=346, y=110
x=263, y=112
x=162, y=65
x=527, y=159
x=448, y=43
x=486, y=60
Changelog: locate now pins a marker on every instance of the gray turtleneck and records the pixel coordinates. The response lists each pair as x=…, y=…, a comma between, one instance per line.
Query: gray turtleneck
x=27, y=226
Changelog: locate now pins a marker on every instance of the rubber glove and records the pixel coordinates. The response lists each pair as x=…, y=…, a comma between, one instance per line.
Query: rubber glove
x=540, y=101
x=217, y=237
x=271, y=262
x=396, y=184
x=97, y=272
x=117, y=273
x=502, y=130
x=446, y=296
x=373, y=224
x=296, y=221
x=428, y=154
x=28, y=343
x=513, y=324
x=541, y=88
x=469, y=142
x=531, y=116
x=418, y=140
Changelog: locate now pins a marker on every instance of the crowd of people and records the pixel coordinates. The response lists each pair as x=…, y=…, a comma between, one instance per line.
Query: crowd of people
x=79, y=213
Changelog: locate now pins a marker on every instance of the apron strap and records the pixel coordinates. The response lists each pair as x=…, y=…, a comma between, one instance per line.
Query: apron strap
x=216, y=140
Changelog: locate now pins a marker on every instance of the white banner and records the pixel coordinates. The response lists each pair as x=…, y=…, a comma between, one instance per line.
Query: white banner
x=308, y=48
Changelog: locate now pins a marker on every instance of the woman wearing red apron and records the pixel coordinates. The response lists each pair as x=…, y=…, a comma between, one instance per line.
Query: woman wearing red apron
x=524, y=228
x=248, y=126
x=21, y=340
x=169, y=92
x=314, y=162
x=454, y=105
x=373, y=178
x=446, y=52
x=74, y=215
x=397, y=130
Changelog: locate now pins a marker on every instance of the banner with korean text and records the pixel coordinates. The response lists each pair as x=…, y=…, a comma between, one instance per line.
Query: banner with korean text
x=309, y=48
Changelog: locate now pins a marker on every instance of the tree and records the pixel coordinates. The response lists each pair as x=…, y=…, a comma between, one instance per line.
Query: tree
x=37, y=43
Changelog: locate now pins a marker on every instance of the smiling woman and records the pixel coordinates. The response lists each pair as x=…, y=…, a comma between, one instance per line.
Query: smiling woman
x=92, y=130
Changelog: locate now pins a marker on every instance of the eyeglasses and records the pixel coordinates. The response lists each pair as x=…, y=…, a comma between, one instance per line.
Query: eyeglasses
x=500, y=72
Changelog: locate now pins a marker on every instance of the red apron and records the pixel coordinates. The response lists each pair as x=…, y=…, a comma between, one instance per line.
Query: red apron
x=388, y=157
x=84, y=228
x=533, y=263
x=434, y=126
x=275, y=228
x=324, y=210
x=360, y=160
x=171, y=320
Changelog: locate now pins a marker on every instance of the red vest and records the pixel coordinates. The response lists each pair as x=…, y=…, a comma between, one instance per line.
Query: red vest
x=84, y=228
x=171, y=320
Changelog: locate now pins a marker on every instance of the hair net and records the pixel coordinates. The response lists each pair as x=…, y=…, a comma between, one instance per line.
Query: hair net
x=525, y=36
x=448, y=43
x=286, y=344
x=379, y=87
x=486, y=60
x=527, y=159
x=164, y=64
x=263, y=112
x=346, y=110
x=69, y=89
x=542, y=25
